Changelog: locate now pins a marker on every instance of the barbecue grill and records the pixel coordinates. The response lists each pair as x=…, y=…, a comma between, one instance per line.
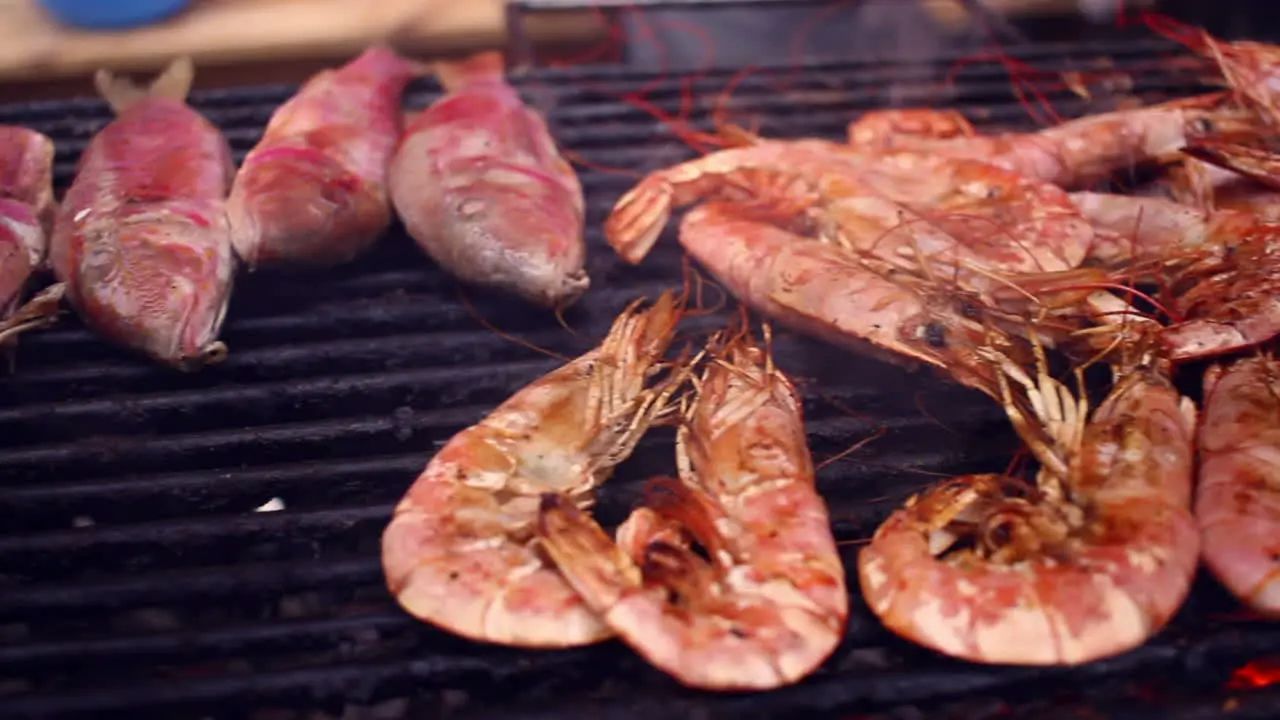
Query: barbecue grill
x=206, y=545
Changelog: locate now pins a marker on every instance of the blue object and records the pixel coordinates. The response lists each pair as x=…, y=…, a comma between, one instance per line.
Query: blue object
x=112, y=14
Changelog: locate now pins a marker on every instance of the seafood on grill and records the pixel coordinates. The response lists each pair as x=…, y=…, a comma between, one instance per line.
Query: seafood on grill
x=1073, y=154
x=1089, y=561
x=1225, y=299
x=480, y=185
x=770, y=604
x=141, y=238
x=314, y=189
x=784, y=234
x=1130, y=228
x=958, y=218
x=1238, y=497
x=825, y=292
x=26, y=218
x=460, y=551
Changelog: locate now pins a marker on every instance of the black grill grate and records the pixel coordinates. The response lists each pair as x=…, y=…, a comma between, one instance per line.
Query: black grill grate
x=136, y=579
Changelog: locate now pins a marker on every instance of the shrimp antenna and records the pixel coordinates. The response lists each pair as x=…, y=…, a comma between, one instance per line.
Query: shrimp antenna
x=560, y=320
x=880, y=433
x=690, y=276
x=484, y=322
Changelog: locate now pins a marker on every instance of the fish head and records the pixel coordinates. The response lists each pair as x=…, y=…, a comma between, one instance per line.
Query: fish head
x=158, y=283
x=526, y=236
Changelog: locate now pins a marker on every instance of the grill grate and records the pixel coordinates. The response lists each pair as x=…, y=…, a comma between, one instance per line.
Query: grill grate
x=136, y=578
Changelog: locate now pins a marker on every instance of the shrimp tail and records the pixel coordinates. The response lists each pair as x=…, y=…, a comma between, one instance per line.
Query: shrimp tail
x=596, y=568
x=678, y=503
x=121, y=93
x=454, y=75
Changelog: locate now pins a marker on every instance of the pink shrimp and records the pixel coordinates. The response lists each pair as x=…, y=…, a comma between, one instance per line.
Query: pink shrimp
x=26, y=217
x=1089, y=562
x=460, y=551
x=1075, y=154
x=1238, y=499
x=771, y=603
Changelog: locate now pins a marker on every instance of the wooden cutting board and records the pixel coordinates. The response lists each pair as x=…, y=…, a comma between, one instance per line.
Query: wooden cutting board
x=235, y=32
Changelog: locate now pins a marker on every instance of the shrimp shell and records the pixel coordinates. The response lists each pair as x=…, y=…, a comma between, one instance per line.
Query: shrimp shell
x=1074, y=154
x=1089, y=564
x=771, y=604
x=460, y=551
x=1238, y=499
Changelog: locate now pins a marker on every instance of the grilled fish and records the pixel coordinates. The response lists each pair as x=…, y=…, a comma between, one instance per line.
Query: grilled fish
x=481, y=187
x=314, y=189
x=142, y=239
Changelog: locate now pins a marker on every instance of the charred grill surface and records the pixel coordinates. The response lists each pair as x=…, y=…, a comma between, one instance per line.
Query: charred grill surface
x=136, y=578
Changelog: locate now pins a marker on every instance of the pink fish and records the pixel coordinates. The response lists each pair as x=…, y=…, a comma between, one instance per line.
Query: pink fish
x=479, y=184
x=26, y=215
x=142, y=239
x=314, y=190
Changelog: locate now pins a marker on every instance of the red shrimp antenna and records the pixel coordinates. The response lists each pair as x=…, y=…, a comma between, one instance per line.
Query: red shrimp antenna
x=487, y=325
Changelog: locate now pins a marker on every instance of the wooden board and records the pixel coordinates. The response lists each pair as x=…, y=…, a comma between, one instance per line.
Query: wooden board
x=226, y=32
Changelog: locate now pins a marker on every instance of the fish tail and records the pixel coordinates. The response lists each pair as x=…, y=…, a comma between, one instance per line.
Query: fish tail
x=122, y=93
x=457, y=74
x=382, y=59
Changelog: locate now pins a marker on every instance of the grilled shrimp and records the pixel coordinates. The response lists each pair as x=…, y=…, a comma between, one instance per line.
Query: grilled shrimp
x=1132, y=228
x=771, y=603
x=822, y=291
x=460, y=553
x=1089, y=562
x=1228, y=299
x=142, y=239
x=960, y=218
x=1238, y=499
x=1075, y=154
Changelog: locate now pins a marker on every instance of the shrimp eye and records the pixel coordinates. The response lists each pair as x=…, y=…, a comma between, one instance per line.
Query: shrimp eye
x=936, y=335
x=1203, y=125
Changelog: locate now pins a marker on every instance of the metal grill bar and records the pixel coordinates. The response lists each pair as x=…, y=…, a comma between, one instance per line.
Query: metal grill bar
x=138, y=580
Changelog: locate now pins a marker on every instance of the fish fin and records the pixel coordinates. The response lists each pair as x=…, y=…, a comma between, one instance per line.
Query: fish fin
x=457, y=74
x=122, y=93
x=384, y=53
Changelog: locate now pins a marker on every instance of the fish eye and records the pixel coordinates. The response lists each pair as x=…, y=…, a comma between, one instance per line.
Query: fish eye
x=936, y=335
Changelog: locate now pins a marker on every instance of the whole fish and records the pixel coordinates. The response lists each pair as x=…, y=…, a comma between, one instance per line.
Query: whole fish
x=142, y=239
x=26, y=216
x=480, y=185
x=314, y=189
